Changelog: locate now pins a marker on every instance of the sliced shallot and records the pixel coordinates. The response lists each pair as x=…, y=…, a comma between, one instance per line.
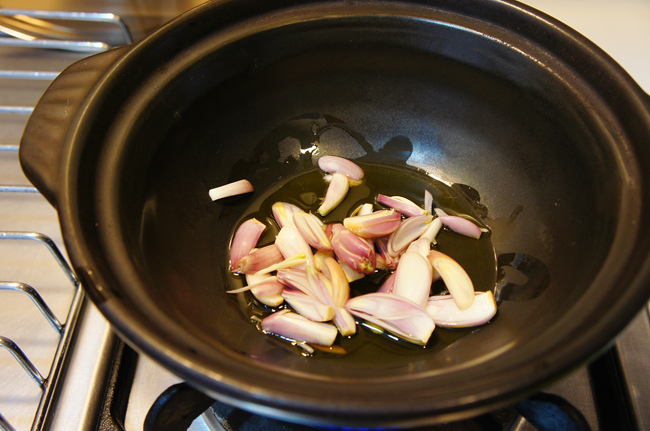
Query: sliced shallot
x=444, y=311
x=401, y=204
x=356, y=252
x=245, y=239
x=296, y=327
x=461, y=226
x=407, y=232
x=395, y=314
x=266, y=289
x=458, y=283
x=336, y=192
x=339, y=165
x=374, y=225
x=283, y=213
x=291, y=243
x=307, y=306
x=413, y=278
x=259, y=259
x=312, y=230
x=232, y=189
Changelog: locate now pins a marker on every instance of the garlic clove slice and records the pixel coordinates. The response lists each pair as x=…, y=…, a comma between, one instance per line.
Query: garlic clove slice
x=339, y=165
x=307, y=306
x=232, y=189
x=336, y=192
x=374, y=225
x=293, y=326
x=445, y=313
x=413, y=278
x=245, y=239
x=458, y=283
x=312, y=230
x=401, y=204
x=395, y=314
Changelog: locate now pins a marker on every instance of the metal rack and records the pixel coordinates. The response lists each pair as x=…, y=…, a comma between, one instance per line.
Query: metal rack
x=26, y=33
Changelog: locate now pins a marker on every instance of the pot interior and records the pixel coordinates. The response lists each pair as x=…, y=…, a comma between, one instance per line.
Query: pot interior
x=435, y=98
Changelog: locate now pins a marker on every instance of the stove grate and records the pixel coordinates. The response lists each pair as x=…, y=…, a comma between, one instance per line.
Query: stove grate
x=43, y=36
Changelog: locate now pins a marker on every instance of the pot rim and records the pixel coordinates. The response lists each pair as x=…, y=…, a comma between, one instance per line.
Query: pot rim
x=543, y=362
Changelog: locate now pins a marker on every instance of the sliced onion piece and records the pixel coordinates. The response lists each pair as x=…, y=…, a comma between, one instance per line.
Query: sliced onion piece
x=444, y=311
x=432, y=231
x=232, y=189
x=395, y=314
x=458, y=283
x=245, y=239
x=339, y=165
x=296, y=327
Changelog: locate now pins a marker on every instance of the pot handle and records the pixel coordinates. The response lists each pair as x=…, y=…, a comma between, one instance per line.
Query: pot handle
x=176, y=408
x=43, y=140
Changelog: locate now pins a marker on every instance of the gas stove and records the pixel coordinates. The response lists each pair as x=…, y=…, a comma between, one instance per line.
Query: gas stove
x=63, y=368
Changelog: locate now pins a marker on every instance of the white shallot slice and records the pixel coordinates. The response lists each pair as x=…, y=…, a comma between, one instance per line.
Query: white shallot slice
x=428, y=201
x=336, y=192
x=395, y=314
x=245, y=239
x=295, y=327
x=456, y=280
x=307, y=306
x=232, y=189
x=444, y=311
x=432, y=231
x=408, y=231
x=291, y=243
x=413, y=278
x=339, y=165
x=266, y=289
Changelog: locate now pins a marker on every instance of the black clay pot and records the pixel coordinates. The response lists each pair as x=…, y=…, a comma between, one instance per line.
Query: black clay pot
x=549, y=133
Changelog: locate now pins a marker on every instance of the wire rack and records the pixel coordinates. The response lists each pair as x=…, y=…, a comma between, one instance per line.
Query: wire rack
x=34, y=46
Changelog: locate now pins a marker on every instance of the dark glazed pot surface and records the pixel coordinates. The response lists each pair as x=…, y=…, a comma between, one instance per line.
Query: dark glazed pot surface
x=549, y=135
